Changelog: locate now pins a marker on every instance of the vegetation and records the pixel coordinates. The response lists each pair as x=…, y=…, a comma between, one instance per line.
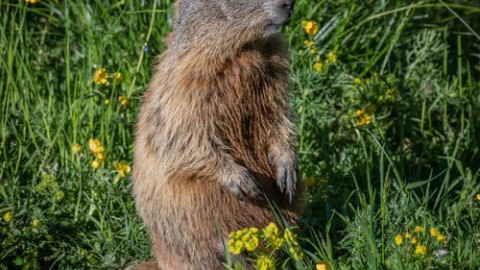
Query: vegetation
x=387, y=101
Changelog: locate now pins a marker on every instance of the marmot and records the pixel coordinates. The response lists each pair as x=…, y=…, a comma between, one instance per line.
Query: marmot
x=215, y=141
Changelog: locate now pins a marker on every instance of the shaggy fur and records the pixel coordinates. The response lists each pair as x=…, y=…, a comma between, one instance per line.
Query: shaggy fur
x=214, y=136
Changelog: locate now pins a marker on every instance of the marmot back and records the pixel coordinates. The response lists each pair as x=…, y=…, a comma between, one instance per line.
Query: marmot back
x=214, y=135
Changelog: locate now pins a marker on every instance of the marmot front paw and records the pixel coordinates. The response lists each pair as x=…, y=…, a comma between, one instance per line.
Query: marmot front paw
x=243, y=185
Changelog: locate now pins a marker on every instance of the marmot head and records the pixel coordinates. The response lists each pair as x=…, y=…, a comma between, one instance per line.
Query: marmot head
x=267, y=14
x=247, y=19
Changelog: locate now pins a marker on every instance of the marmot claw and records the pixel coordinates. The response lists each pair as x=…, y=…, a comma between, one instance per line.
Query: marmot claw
x=287, y=180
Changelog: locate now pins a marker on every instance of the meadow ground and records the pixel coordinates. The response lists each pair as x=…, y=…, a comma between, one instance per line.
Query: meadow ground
x=387, y=102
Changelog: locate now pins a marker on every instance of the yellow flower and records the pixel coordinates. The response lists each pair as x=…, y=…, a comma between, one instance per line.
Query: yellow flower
x=101, y=76
x=407, y=235
x=36, y=223
x=235, y=247
x=8, y=216
x=95, y=164
x=420, y=250
x=310, y=27
x=331, y=57
x=101, y=156
x=76, y=148
x=252, y=243
x=418, y=229
x=309, y=181
x=107, y=101
x=265, y=263
x=413, y=240
x=357, y=81
x=478, y=197
x=398, y=239
x=271, y=230
x=322, y=266
x=434, y=232
x=95, y=146
x=32, y=1
x=117, y=78
x=441, y=238
x=123, y=168
x=318, y=66
x=123, y=100
x=308, y=43
x=313, y=51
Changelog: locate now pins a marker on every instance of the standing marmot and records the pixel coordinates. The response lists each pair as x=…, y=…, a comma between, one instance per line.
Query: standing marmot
x=214, y=136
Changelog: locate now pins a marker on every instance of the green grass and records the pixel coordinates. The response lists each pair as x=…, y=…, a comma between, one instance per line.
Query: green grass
x=417, y=163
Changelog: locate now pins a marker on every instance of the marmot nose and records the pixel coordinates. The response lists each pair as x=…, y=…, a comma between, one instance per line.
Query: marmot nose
x=288, y=5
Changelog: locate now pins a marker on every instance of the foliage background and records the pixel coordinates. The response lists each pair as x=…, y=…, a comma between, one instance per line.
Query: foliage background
x=412, y=66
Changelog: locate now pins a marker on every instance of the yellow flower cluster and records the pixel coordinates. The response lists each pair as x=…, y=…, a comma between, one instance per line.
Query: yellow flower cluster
x=265, y=263
x=31, y=1
x=98, y=150
x=271, y=233
x=101, y=77
x=416, y=239
x=248, y=239
x=291, y=239
x=311, y=28
x=365, y=116
x=245, y=239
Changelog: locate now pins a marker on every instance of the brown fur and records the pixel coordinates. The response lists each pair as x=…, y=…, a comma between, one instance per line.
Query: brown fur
x=214, y=135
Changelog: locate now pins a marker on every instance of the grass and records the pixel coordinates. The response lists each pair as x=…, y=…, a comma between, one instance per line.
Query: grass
x=387, y=102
